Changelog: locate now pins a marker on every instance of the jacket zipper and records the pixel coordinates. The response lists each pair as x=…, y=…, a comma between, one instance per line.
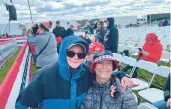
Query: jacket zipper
x=101, y=98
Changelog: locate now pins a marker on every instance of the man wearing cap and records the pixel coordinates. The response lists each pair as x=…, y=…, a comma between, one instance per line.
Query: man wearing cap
x=111, y=36
x=59, y=30
x=48, y=55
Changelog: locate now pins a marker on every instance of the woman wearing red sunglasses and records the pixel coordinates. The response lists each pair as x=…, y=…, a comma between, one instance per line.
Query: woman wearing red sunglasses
x=62, y=85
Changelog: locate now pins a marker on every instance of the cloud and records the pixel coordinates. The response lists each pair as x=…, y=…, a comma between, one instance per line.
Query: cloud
x=79, y=9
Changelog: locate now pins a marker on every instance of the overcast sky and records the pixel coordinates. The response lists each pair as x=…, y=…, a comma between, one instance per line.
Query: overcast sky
x=43, y=10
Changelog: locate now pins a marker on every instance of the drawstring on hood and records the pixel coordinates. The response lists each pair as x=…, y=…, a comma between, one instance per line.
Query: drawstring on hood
x=64, y=68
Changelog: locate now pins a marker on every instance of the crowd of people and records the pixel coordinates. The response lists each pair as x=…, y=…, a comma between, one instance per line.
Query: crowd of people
x=76, y=72
x=4, y=35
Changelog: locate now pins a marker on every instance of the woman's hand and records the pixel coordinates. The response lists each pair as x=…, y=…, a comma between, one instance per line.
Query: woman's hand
x=126, y=83
x=169, y=102
x=145, y=53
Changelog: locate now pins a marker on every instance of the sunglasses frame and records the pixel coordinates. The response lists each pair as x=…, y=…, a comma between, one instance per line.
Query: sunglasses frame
x=79, y=55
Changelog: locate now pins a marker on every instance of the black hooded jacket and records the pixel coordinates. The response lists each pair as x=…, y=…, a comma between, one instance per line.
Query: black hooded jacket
x=111, y=37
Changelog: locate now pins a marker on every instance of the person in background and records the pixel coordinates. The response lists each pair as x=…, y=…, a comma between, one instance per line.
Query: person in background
x=4, y=36
x=44, y=37
x=62, y=85
x=162, y=22
x=70, y=31
x=0, y=34
x=166, y=103
x=87, y=36
x=34, y=29
x=151, y=51
x=7, y=35
x=93, y=48
x=29, y=33
x=59, y=30
x=50, y=23
x=59, y=41
x=111, y=36
x=100, y=32
x=99, y=95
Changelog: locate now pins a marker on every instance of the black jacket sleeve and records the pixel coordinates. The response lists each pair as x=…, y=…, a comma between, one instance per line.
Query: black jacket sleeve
x=167, y=89
x=32, y=95
x=63, y=32
x=113, y=40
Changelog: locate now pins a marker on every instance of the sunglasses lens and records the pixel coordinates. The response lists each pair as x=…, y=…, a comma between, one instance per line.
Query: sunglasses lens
x=81, y=55
x=70, y=54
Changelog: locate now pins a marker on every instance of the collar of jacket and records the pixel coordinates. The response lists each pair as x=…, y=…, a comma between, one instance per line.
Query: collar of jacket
x=98, y=85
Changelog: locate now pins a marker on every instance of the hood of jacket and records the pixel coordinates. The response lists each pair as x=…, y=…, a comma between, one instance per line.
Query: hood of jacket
x=64, y=67
x=152, y=38
x=111, y=22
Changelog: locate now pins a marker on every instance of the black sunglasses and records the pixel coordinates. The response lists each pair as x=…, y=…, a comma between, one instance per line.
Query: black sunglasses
x=79, y=55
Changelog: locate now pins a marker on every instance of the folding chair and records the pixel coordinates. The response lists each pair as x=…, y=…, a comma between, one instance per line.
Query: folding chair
x=118, y=57
x=146, y=105
x=150, y=67
x=134, y=51
x=153, y=94
x=165, y=56
x=135, y=96
x=130, y=61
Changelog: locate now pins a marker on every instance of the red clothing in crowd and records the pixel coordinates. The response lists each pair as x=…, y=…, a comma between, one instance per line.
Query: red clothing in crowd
x=153, y=47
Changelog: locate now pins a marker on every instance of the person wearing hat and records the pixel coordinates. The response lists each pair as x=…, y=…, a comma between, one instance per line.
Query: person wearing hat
x=59, y=30
x=99, y=95
x=96, y=47
x=111, y=36
x=93, y=48
x=50, y=22
x=62, y=85
x=45, y=42
x=151, y=51
x=100, y=32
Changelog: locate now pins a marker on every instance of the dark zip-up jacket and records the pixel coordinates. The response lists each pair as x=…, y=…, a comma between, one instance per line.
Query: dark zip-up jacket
x=59, y=31
x=99, y=97
x=100, y=35
x=111, y=37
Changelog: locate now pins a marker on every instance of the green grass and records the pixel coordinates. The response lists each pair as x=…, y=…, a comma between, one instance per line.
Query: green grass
x=4, y=70
x=34, y=67
x=158, y=81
